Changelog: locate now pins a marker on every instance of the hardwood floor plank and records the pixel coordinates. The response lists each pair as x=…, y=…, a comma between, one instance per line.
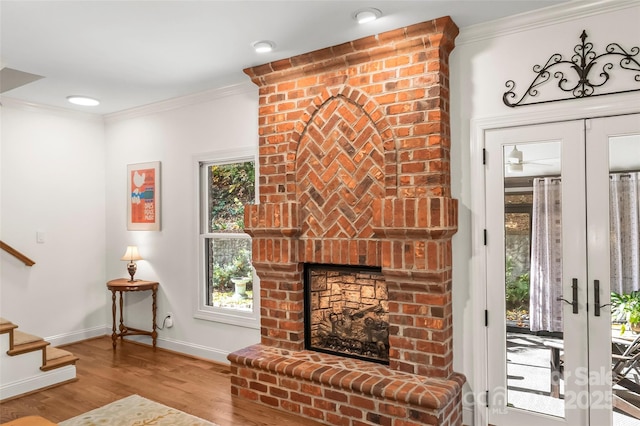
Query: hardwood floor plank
x=195, y=386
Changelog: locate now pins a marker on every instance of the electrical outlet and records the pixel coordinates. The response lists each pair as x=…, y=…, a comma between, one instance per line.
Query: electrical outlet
x=168, y=321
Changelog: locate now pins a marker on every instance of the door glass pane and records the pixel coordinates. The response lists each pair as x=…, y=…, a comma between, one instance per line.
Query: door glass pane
x=533, y=277
x=624, y=220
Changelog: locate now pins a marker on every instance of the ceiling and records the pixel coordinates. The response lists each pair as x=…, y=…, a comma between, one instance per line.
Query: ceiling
x=134, y=53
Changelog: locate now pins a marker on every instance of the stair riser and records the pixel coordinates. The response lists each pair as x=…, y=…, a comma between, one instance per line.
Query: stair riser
x=14, y=368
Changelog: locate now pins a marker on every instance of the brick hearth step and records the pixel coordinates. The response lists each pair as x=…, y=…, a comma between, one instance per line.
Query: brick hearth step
x=333, y=388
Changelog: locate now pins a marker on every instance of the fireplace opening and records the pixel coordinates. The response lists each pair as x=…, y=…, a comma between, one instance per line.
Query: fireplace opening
x=347, y=311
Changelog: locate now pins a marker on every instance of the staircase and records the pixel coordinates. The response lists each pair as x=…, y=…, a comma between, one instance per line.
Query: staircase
x=29, y=363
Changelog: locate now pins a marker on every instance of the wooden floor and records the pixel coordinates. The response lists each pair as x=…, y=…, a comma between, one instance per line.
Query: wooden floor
x=195, y=386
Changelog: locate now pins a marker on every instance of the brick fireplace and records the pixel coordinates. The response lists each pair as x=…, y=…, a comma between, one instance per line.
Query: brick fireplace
x=354, y=147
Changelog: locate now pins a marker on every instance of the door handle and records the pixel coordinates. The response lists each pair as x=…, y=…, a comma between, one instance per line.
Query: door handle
x=596, y=298
x=574, y=290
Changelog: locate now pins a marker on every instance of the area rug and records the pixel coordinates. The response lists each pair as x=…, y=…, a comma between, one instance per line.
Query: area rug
x=135, y=410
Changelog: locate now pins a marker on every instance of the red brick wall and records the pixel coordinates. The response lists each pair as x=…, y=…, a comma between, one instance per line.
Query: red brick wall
x=398, y=79
x=354, y=170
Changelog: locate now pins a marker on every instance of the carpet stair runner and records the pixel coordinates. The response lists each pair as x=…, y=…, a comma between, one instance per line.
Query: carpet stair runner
x=20, y=343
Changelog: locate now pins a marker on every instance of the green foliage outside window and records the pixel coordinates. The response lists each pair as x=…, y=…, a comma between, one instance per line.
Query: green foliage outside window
x=240, y=266
x=517, y=288
x=625, y=308
x=231, y=187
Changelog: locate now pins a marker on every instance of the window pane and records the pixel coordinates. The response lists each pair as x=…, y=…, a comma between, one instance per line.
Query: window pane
x=518, y=249
x=231, y=186
x=229, y=273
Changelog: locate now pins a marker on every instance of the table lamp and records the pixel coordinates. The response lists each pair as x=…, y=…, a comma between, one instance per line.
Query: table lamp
x=131, y=254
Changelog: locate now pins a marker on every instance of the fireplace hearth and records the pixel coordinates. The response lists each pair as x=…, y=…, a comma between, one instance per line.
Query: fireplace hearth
x=347, y=312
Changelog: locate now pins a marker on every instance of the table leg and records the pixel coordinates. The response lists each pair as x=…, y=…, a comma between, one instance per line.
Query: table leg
x=154, y=306
x=114, y=336
x=555, y=372
x=122, y=327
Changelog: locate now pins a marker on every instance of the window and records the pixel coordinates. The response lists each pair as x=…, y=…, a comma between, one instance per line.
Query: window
x=228, y=282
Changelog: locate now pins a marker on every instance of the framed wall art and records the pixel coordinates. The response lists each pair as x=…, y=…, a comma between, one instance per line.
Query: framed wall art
x=143, y=196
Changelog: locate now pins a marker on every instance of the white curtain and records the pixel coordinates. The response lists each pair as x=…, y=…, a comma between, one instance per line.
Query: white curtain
x=545, y=285
x=624, y=213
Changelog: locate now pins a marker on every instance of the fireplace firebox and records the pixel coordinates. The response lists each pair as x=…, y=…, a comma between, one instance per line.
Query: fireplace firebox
x=347, y=312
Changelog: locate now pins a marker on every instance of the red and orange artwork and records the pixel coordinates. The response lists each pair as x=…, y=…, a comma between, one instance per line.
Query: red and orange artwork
x=143, y=195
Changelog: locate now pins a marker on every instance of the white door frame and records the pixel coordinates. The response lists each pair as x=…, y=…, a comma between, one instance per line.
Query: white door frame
x=574, y=109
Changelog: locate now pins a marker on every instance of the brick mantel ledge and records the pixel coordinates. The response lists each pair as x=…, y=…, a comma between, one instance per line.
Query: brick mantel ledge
x=261, y=373
x=437, y=33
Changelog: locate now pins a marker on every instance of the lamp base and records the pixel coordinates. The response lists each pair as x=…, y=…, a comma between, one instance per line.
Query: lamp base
x=132, y=268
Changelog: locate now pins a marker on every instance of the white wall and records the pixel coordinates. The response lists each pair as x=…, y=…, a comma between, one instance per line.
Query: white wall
x=53, y=180
x=174, y=133
x=486, y=57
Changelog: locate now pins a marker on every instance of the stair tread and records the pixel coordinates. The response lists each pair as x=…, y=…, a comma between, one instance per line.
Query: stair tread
x=6, y=327
x=57, y=358
x=55, y=353
x=21, y=338
x=28, y=347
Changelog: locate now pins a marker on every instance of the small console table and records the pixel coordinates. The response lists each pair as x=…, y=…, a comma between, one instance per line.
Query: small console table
x=122, y=285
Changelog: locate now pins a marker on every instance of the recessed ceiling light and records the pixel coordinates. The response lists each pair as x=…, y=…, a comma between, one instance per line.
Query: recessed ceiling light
x=83, y=100
x=263, y=46
x=366, y=15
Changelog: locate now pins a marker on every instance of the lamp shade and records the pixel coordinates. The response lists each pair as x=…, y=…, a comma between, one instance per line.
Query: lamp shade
x=131, y=254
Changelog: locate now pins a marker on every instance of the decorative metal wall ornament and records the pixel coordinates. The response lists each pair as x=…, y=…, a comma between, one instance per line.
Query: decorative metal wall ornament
x=582, y=63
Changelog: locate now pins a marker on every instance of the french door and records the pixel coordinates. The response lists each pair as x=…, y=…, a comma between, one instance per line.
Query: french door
x=552, y=343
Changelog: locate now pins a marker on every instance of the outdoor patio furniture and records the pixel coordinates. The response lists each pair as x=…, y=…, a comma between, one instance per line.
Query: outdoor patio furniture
x=625, y=370
x=556, y=364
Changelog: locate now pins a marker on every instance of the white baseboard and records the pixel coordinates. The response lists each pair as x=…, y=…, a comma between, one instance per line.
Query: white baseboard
x=198, y=351
x=42, y=380
x=76, y=336
x=467, y=416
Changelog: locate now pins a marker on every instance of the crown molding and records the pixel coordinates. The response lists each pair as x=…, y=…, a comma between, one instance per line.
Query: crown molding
x=183, y=101
x=9, y=102
x=553, y=15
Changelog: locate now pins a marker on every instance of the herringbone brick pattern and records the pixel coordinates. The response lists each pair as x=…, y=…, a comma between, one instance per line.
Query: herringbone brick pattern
x=339, y=172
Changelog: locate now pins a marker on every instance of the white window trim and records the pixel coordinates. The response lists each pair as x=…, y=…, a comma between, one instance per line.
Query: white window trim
x=202, y=310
